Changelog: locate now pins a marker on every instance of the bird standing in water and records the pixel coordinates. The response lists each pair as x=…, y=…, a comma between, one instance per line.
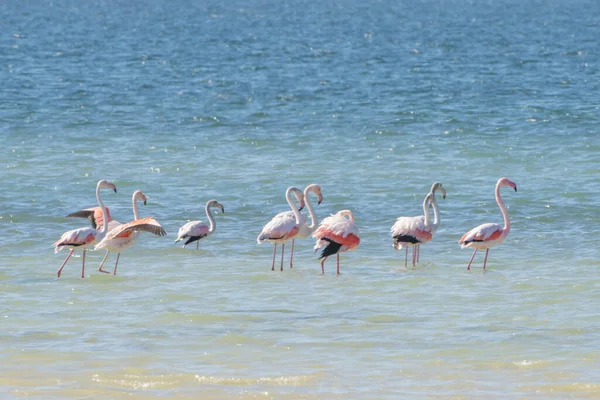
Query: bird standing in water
x=336, y=234
x=486, y=236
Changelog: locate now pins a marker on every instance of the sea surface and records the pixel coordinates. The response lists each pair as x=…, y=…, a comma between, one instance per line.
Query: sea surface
x=237, y=100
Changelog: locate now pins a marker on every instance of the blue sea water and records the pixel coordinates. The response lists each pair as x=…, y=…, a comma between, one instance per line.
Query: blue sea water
x=236, y=101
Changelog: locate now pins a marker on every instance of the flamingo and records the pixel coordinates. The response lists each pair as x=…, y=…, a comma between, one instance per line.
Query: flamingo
x=193, y=231
x=486, y=236
x=305, y=229
x=124, y=236
x=413, y=231
x=83, y=238
x=336, y=234
x=283, y=226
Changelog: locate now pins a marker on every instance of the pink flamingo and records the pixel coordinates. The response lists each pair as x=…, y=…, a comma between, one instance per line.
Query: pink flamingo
x=414, y=231
x=336, y=234
x=123, y=236
x=486, y=236
x=83, y=238
x=306, y=230
x=193, y=231
x=283, y=226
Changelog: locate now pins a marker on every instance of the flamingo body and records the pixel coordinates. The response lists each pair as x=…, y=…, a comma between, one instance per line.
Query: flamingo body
x=280, y=229
x=192, y=231
x=81, y=238
x=336, y=234
x=410, y=231
x=483, y=236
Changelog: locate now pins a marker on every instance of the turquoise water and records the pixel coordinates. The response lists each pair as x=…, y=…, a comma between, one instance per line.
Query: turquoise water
x=239, y=100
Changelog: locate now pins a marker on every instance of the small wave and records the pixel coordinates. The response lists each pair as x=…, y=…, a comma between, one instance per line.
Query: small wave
x=294, y=380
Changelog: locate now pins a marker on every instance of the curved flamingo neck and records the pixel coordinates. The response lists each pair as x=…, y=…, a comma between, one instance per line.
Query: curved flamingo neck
x=288, y=196
x=103, y=208
x=436, y=215
x=504, y=211
x=136, y=210
x=211, y=220
x=311, y=210
x=426, y=212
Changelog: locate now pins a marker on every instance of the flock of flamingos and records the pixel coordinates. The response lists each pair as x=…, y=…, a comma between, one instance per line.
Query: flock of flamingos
x=334, y=234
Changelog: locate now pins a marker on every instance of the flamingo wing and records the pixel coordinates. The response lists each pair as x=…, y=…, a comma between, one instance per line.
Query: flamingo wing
x=481, y=233
x=75, y=238
x=148, y=224
x=281, y=227
x=94, y=214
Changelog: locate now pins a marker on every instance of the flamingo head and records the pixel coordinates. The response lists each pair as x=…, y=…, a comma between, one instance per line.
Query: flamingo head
x=299, y=196
x=316, y=189
x=507, y=182
x=138, y=195
x=214, y=203
x=438, y=186
x=107, y=185
x=345, y=213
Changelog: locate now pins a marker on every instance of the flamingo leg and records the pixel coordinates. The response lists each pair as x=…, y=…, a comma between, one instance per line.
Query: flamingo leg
x=292, y=254
x=323, y=266
x=471, y=260
x=338, y=263
x=414, y=255
x=117, y=263
x=102, y=263
x=274, y=252
x=197, y=244
x=406, y=257
x=83, y=265
x=418, y=252
x=282, y=251
x=485, y=259
x=64, y=263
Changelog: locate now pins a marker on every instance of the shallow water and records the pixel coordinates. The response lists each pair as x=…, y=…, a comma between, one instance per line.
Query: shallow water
x=236, y=102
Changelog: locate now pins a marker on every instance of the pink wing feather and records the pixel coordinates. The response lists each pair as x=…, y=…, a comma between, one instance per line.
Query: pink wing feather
x=94, y=214
x=148, y=224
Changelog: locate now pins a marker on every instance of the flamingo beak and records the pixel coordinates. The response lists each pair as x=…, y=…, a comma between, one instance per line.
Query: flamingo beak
x=443, y=193
x=515, y=188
